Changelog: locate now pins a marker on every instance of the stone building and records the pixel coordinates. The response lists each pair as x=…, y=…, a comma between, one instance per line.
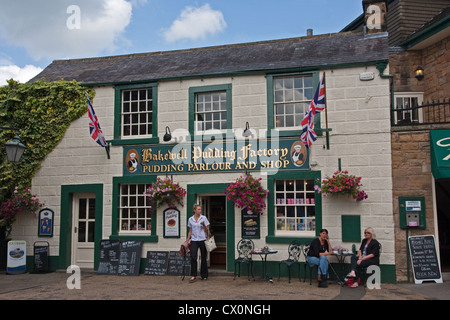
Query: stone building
x=419, y=41
x=206, y=98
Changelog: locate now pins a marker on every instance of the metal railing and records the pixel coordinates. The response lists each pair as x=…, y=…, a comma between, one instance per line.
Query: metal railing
x=427, y=113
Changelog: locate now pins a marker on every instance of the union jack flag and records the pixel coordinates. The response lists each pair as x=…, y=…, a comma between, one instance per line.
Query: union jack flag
x=94, y=125
x=308, y=136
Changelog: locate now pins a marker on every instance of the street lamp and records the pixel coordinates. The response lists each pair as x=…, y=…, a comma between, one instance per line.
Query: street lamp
x=14, y=148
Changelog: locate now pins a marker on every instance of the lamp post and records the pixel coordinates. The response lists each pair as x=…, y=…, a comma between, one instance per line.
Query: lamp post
x=14, y=148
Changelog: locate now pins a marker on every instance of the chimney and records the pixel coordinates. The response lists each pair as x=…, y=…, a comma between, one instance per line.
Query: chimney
x=309, y=32
x=374, y=16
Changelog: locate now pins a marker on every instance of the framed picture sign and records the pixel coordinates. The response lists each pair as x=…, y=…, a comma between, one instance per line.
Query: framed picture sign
x=171, y=223
x=46, y=219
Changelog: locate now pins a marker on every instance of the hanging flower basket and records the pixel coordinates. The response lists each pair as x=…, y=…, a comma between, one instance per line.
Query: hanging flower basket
x=342, y=183
x=21, y=200
x=164, y=191
x=247, y=192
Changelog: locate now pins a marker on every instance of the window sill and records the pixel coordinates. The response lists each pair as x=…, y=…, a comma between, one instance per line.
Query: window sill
x=144, y=238
x=121, y=142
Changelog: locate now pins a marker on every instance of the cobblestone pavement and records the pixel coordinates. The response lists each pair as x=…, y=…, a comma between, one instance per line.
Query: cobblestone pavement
x=53, y=286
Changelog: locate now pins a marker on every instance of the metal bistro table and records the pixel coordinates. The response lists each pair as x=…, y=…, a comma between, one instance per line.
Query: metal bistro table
x=340, y=256
x=263, y=254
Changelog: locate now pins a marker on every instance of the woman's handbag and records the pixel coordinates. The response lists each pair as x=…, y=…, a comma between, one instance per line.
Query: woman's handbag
x=210, y=243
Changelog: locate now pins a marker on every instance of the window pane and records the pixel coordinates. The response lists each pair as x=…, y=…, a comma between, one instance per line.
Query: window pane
x=136, y=112
x=291, y=95
x=210, y=111
x=134, y=208
x=294, y=205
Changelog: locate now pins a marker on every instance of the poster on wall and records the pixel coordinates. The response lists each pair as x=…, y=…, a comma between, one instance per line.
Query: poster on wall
x=16, y=257
x=250, y=224
x=171, y=223
x=45, y=223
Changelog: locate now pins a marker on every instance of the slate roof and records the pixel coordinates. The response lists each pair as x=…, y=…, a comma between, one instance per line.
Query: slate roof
x=313, y=52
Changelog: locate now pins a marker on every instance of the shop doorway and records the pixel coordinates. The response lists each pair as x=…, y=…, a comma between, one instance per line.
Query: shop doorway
x=83, y=231
x=214, y=208
x=443, y=218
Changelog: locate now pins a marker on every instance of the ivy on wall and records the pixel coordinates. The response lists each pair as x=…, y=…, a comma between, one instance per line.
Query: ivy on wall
x=42, y=111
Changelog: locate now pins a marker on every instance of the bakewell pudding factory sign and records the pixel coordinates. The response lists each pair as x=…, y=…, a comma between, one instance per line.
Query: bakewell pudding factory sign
x=217, y=156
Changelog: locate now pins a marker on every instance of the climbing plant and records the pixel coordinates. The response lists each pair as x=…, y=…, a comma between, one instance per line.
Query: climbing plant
x=42, y=111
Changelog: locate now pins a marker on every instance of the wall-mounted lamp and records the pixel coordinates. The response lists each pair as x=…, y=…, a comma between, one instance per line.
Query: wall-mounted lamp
x=14, y=148
x=419, y=73
x=167, y=135
x=247, y=132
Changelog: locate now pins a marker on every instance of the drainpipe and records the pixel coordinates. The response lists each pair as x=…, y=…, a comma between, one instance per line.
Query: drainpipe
x=381, y=66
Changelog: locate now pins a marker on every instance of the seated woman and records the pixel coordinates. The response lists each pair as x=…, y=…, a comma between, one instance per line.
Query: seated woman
x=368, y=254
x=317, y=254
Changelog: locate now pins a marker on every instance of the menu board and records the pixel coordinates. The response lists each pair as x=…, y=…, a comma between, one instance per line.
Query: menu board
x=41, y=258
x=250, y=224
x=424, y=259
x=176, y=264
x=129, y=258
x=109, y=257
x=156, y=263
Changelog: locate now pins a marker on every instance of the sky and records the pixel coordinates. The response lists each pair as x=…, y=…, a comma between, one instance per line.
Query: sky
x=33, y=33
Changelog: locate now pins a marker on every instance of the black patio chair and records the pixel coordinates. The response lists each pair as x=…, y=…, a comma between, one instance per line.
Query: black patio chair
x=244, y=249
x=311, y=266
x=294, y=251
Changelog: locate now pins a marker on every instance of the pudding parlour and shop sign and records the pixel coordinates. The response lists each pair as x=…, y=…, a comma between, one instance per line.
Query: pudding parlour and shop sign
x=269, y=155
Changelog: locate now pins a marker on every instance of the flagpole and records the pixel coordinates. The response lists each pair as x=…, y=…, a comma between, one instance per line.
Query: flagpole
x=326, y=112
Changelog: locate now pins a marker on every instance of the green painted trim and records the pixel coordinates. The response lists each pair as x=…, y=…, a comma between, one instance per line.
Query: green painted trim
x=65, y=239
x=426, y=33
x=211, y=88
x=304, y=175
x=115, y=210
x=118, y=114
x=270, y=104
x=192, y=191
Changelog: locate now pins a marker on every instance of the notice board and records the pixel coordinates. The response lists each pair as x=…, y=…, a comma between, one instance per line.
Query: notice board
x=129, y=258
x=424, y=259
x=177, y=263
x=156, y=263
x=41, y=254
x=109, y=257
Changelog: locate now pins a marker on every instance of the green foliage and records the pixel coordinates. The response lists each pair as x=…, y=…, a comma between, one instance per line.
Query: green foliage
x=42, y=111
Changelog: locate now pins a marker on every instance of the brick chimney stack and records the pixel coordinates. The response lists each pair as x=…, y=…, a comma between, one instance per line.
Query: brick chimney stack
x=375, y=16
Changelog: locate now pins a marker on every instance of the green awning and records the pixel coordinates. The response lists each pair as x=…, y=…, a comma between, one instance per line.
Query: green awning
x=440, y=153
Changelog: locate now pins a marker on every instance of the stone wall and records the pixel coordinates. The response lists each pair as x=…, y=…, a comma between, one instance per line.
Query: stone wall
x=411, y=176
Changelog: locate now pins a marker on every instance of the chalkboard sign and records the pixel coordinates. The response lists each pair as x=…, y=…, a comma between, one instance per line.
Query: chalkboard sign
x=41, y=257
x=129, y=258
x=156, y=263
x=109, y=257
x=176, y=264
x=424, y=259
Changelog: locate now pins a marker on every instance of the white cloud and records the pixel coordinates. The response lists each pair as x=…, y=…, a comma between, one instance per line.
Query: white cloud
x=19, y=74
x=47, y=29
x=196, y=23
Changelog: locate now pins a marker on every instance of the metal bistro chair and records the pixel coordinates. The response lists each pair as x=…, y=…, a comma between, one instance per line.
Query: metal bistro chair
x=311, y=266
x=244, y=249
x=294, y=251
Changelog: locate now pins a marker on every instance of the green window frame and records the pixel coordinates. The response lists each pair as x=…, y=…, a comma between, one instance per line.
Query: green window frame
x=119, y=139
x=271, y=105
x=116, y=214
x=272, y=235
x=221, y=88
